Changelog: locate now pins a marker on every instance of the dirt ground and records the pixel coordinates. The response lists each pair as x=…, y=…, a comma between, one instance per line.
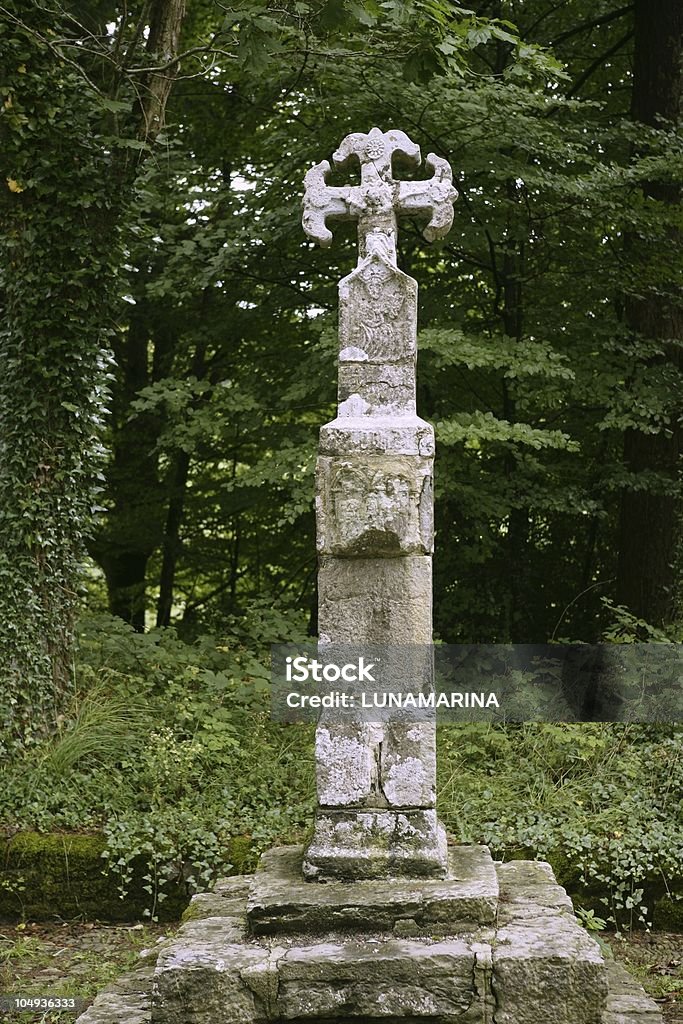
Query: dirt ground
x=76, y=960
x=68, y=959
x=656, y=960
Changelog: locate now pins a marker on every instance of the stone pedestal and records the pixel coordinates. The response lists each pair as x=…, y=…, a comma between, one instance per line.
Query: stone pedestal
x=281, y=903
x=490, y=944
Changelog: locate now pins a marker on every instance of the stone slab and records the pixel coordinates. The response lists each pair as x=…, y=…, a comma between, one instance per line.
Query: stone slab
x=375, y=600
x=407, y=776
x=281, y=902
x=357, y=432
x=377, y=313
x=627, y=1003
x=199, y=978
x=378, y=980
x=126, y=1001
x=546, y=968
x=212, y=904
x=368, y=844
x=199, y=975
x=383, y=390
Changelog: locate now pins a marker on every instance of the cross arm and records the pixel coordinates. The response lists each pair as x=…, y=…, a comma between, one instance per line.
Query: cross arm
x=322, y=201
x=434, y=197
x=375, y=150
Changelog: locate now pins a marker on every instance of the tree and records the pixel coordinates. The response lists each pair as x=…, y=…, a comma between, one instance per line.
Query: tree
x=91, y=84
x=72, y=143
x=649, y=528
x=520, y=302
x=206, y=270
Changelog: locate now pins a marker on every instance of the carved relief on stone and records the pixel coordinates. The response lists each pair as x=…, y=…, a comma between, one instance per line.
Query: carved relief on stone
x=354, y=435
x=379, y=507
x=377, y=314
x=387, y=389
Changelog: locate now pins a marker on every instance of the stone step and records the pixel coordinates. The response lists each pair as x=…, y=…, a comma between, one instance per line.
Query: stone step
x=281, y=902
x=126, y=1001
x=534, y=965
x=206, y=980
x=627, y=1003
x=546, y=968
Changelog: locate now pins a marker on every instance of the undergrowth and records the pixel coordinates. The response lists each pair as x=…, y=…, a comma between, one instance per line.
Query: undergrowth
x=168, y=748
x=603, y=802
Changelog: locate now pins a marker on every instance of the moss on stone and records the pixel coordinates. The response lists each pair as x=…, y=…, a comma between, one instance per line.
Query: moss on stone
x=668, y=915
x=242, y=855
x=192, y=913
x=43, y=876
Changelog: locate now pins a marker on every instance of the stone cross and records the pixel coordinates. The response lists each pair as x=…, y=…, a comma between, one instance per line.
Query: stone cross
x=376, y=811
x=376, y=201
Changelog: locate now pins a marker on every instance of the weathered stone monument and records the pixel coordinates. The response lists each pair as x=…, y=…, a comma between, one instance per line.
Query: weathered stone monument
x=377, y=919
x=376, y=784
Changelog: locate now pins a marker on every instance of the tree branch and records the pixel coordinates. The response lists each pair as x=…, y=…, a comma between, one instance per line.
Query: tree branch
x=603, y=19
x=597, y=63
x=54, y=50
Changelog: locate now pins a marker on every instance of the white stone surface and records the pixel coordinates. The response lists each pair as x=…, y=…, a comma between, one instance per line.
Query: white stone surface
x=376, y=435
x=374, y=509
x=376, y=600
x=376, y=201
x=377, y=314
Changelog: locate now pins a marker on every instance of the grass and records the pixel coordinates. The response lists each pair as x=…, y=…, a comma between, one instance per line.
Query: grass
x=68, y=960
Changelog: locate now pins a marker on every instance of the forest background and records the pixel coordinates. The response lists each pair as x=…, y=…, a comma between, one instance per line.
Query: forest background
x=168, y=353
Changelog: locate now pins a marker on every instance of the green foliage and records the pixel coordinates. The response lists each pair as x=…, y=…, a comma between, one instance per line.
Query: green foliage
x=97, y=728
x=185, y=254
x=178, y=759
x=225, y=348
x=526, y=366
x=425, y=38
x=590, y=921
x=203, y=764
x=59, y=258
x=625, y=628
x=602, y=803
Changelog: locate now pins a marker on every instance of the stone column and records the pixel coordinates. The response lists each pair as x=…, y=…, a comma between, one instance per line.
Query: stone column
x=376, y=782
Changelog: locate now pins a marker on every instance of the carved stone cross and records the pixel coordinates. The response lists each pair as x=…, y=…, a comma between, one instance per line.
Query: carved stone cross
x=376, y=781
x=378, y=199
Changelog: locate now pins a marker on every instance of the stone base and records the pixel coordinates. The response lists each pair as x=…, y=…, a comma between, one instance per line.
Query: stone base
x=532, y=965
x=281, y=902
x=354, y=845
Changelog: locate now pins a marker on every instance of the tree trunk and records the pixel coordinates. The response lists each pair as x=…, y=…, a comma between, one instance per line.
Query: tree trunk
x=132, y=528
x=163, y=43
x=650, y=519
x=178, y=477
x=171, y=544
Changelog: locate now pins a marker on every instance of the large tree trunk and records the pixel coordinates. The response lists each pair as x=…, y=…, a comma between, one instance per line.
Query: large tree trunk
x=649, y=518
x=171, y=542
x=133, y=526
x=178, y=477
